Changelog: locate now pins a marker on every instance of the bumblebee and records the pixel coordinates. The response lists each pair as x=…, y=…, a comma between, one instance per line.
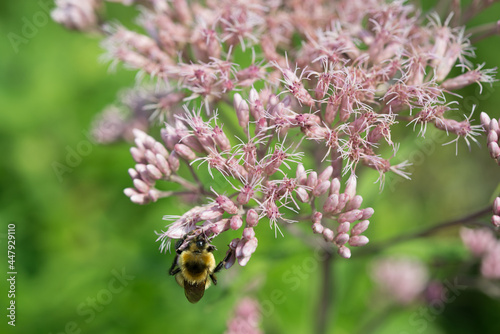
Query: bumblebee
x=193, y=265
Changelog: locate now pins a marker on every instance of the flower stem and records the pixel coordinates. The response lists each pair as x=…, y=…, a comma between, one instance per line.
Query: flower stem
x=336, y=164
x=484, y=31
x=183, y=182
x=325, y=302
x=469, y=219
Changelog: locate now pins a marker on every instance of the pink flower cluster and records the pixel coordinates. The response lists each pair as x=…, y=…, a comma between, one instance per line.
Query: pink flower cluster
x=402, y=279
x=483, y=244
x=325, y=80
x=246, y=318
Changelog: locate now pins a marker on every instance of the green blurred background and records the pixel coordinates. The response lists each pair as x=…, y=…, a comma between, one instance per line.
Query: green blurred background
x=74, y=234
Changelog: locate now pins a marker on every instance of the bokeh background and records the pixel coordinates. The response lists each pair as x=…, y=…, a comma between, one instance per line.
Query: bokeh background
x=77, y=232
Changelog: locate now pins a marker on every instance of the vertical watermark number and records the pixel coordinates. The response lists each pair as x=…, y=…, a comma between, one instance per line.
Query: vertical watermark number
x=11, y=273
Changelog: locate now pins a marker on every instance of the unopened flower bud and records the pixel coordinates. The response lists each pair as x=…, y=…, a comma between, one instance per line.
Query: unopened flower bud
x=133, y=173
x=235, y=222
x=485, y=120
x=129, y=192
x=492, y=136
x=494, y=149
x=163, y=165
x=321, y=188
x=342, y=239
x=301, y=175
x=350, y=216
x=149, y=142
x=350, y=188
x=220, y=226
x=253, y=96
x=328, y=234
x=252, y=218
x=496, y=206
x=318, y=228
x=343, y=227
x=242, y=110
x=367, y=213
x=139, y=134
x=360, y=227
x=316, y=218
x=158, y=148
x=173, y=161
x=247, y=250
x=344, y=252
x=343, y=199
x=312, y=179
x=185, y=152
x=141, y=185
x=137, y=155
x=302, y=194
x=237, y=99
x=170, y=137
x=154, y=172
x=358, y=240
x=140, y=199
x=335, y=186
x=326, y=174
x=494, y=125
x=226, y=204
x=144, y=174
x=331, y=203
x=248, y=233
x=355, y=203
x=495, y=220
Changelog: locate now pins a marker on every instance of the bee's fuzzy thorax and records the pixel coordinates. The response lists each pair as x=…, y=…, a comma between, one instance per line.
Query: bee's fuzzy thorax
x=195, y=267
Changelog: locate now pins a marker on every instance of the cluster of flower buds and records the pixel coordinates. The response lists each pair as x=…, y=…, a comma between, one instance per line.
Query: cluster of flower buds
x=495, y=219
x=345, y=208
x=483, y=244
x=76, y=14
x=493, y=133
x=362, y=67
x=153, y=163
x=244, y=248
x=138, y=108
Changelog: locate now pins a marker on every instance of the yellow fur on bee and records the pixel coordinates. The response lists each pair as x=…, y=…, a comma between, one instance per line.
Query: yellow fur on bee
x=204, y=260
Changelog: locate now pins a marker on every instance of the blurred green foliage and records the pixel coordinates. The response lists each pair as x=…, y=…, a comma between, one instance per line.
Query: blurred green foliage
x=75, y=233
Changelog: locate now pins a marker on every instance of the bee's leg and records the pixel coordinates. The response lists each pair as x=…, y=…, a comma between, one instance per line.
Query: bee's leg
x=214, y=278
x=173, y=270
x=223, y=262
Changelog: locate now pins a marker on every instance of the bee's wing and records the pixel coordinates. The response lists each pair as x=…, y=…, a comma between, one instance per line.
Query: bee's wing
x=194, y=292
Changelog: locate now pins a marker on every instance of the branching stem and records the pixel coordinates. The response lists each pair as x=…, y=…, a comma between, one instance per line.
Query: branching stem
x=469, y=219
